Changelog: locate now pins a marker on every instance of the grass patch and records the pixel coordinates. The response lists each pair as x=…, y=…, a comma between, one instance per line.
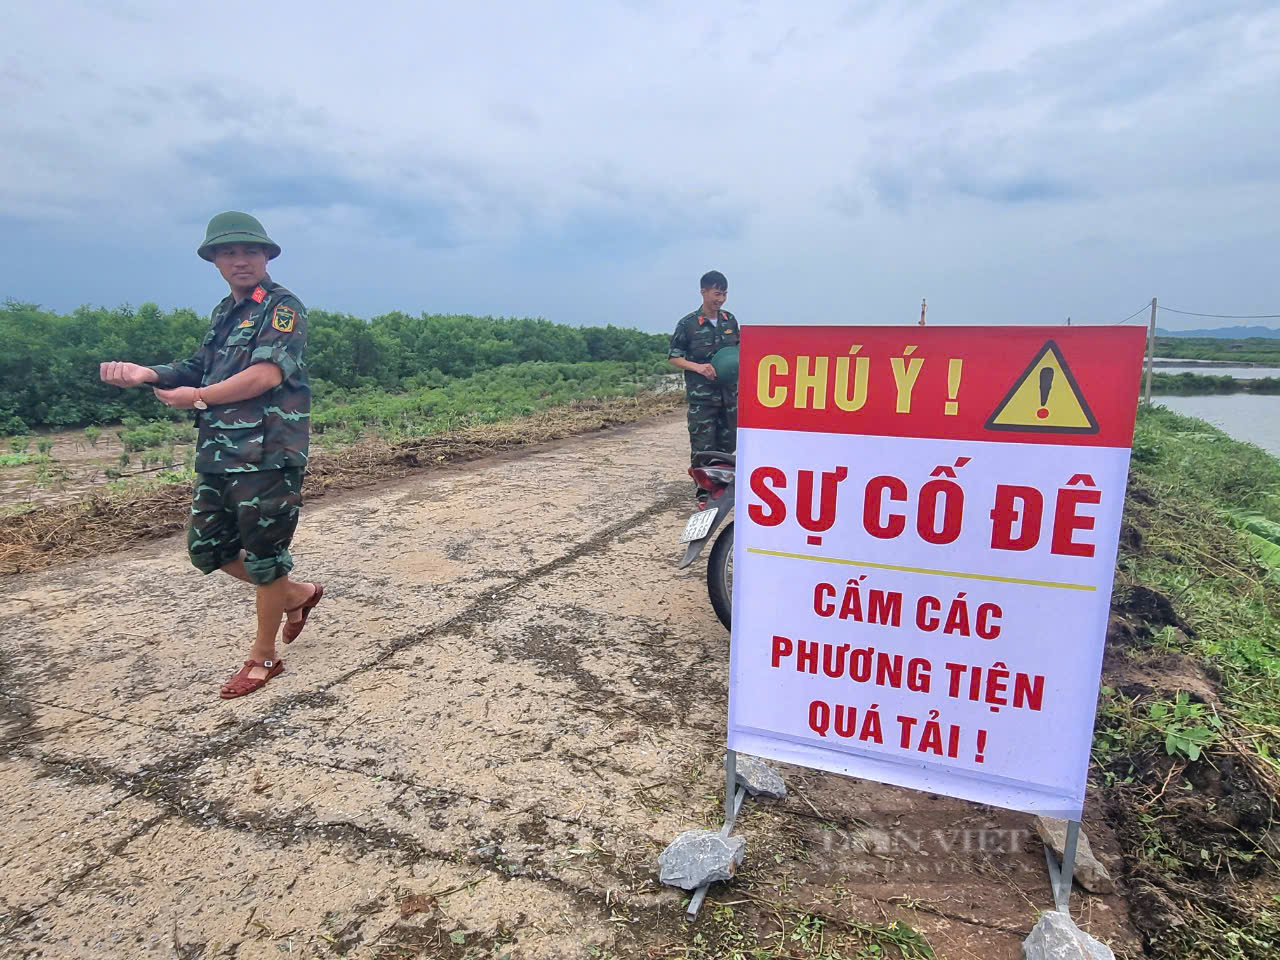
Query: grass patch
x=157, y=433
x=17, y=459
x=725, y=932
x=159, y=481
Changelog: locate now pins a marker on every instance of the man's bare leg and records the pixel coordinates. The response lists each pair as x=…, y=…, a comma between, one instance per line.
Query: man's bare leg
x=299, y=592
x=273, y=600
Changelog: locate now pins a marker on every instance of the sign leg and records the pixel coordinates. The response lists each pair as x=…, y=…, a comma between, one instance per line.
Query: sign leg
x=730, y=786
x=1060, y=878
x=733, y=797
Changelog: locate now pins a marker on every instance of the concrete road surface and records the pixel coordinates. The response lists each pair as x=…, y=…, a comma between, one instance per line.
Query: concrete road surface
x=507, y=704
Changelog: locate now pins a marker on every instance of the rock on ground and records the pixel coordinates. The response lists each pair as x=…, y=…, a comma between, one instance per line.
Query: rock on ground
x=759, y=779
x=1090, y=874
x=1056, y=937
x=700, y=856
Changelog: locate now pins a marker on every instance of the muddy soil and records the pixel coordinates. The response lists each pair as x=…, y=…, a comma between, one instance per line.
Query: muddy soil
x=508, y=703
x=76, y=468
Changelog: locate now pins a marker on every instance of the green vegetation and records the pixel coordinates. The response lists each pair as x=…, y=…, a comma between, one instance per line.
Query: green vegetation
x=1188, y=756
x=394, y=377
x=1263, y=537
x=141, y=486
x=138, y=436
x=500, y=394
x=723, y=932
x=1207, y=383
x=50, y=474
x=341, y=417
x=49, y=362
x=1251, y=350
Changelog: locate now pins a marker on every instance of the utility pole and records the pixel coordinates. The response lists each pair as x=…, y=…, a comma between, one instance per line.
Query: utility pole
x=1151, y=347
x=922, y=313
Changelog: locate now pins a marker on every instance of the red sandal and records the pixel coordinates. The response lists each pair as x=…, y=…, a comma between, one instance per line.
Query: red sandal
x=292, y=629
x=242, y=684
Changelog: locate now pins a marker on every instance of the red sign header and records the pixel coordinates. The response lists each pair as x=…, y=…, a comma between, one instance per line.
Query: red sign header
x=1057, y=385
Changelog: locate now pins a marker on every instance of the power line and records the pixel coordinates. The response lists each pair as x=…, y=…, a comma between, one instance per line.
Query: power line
x=1141, y=309
x=1222, y=316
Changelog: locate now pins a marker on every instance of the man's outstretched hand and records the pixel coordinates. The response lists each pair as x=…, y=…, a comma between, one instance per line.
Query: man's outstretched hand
x=121, y=374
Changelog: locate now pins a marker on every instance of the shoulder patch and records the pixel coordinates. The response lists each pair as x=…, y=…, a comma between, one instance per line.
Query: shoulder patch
x=282, y=318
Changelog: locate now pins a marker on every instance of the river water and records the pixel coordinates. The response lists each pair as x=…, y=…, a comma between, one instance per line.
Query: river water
x=1251, y=417
x=1254, y=418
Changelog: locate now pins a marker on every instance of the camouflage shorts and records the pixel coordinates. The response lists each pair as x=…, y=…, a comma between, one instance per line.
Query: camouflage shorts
x=713, y=418
x=256, y=512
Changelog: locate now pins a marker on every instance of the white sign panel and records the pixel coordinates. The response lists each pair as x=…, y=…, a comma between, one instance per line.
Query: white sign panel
x=925, y=539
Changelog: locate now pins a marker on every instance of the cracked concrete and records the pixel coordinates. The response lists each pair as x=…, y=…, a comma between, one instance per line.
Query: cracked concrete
x=509, y=702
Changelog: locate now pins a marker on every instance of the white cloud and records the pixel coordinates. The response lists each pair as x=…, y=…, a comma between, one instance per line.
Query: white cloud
x=837, y=160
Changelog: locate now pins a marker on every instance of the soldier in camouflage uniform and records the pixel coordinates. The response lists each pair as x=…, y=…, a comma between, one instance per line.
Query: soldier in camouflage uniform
x=713, y=406
x=247, y=384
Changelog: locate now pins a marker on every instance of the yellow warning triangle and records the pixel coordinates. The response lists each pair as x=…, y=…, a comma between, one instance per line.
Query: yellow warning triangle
x=1045, y=399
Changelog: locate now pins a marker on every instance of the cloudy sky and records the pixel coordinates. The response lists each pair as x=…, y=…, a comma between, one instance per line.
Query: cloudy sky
x=586, y=162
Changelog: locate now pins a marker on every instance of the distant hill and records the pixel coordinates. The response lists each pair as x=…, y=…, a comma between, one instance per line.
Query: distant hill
x=1223, y=333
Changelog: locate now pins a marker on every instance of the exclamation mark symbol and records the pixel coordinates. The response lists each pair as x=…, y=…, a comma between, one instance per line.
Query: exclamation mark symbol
x=1046, y=384
x=982, y=747
x=953, y=387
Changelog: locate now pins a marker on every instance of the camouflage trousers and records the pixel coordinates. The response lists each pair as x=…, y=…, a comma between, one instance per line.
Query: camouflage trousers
x=713, y=417
x=255, y=511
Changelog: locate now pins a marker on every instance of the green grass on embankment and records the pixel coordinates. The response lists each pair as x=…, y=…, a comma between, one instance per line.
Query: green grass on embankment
x=1189, y=715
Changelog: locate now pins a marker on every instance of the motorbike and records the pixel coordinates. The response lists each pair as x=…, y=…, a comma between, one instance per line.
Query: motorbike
x=714, y=473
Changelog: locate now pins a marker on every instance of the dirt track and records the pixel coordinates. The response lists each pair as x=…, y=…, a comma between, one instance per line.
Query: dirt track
x=509, y=702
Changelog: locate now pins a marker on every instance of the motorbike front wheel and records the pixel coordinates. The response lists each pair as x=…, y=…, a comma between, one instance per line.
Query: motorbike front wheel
x=720, y=575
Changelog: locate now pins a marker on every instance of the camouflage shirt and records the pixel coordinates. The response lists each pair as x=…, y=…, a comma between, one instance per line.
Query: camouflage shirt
x=697, y=339
x=266, y=432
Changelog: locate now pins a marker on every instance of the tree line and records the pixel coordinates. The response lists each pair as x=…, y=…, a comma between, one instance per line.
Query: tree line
x=49, y=361
x=1251, y=350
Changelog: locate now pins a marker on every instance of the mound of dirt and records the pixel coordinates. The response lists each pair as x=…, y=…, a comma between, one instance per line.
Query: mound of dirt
x=1192, y=832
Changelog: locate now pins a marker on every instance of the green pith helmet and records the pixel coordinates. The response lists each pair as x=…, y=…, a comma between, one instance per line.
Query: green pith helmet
x=725, y=361
x=235, y=227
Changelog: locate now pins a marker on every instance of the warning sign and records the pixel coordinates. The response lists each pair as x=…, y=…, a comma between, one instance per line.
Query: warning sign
x=1046, y=397
x=925, y=543
x=1005, y=384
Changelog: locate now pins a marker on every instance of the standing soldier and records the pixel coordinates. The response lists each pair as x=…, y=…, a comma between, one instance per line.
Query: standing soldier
x=248, y=385
x=713, y=403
